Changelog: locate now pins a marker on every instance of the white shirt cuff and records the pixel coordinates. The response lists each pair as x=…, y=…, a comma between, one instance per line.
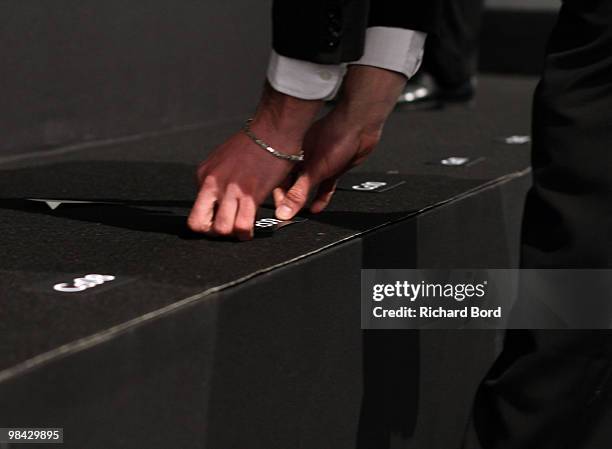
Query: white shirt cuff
x=303, y=79
x=395, y=49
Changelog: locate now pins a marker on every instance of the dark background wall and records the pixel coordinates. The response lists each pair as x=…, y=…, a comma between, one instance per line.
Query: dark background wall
x=82, y=70
x=75, y=71
x=513, y=39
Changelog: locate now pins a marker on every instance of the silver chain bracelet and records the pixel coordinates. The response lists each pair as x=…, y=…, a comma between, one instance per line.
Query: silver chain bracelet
x=287, y=157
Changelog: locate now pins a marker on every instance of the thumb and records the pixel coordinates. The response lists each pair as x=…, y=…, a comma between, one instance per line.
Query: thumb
x=295, y=198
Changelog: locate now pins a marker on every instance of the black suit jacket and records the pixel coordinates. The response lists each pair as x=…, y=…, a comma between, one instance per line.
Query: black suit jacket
x=333, y=31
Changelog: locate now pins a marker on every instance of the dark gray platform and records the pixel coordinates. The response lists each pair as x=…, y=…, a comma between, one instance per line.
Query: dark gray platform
x=220, y=344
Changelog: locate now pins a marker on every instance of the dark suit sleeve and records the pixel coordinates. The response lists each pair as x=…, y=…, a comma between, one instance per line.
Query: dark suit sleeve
x=333, y=31
x=419, y=15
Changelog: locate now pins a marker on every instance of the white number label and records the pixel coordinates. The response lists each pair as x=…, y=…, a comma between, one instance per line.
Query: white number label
x=267, y=222
x=369, y=185
x=84, y=283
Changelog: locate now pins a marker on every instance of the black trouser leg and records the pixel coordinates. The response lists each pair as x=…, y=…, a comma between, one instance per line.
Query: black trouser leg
x=451, y=57
x=552, y=389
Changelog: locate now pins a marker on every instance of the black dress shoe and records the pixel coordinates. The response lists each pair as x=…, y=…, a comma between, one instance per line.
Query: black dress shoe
x=422, y=92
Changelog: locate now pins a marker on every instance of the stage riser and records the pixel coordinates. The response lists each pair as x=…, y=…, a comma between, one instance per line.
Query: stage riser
x=277, y=362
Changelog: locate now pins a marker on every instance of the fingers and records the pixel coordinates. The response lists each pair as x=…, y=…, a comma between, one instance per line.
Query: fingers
x=223, y=223
x=324, y=195
x=231, y=215
x=201, y=216
x=295, y=198
x=290, y=202
x=245, y=218
x=279, y=193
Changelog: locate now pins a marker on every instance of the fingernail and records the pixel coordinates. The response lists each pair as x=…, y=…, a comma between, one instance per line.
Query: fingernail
x=283, y=212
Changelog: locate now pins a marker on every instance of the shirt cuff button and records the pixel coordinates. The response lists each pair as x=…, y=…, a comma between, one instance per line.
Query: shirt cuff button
x=325, y=75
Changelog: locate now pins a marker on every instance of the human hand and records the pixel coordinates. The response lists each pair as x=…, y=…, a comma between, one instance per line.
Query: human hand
x=237, y=177
x=234, y=180
x=342, y=139
x=332, y=146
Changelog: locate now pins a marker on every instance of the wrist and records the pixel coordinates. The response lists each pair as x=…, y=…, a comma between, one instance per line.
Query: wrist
x=283, y=118
x=369, y=94
x=361, y=126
